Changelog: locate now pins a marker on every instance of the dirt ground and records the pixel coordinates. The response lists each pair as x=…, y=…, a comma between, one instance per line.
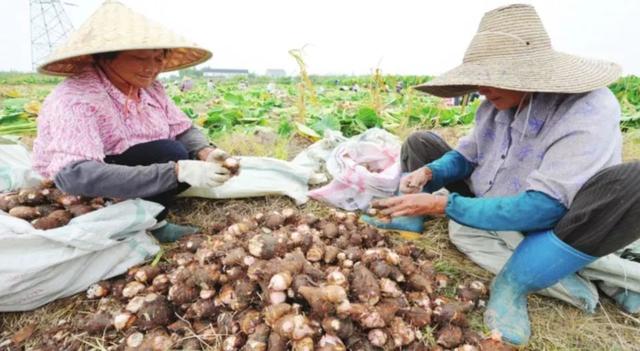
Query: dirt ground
x=555, y=325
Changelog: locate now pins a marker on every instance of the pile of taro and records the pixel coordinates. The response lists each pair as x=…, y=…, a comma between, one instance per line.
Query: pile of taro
x=47, y=207
x=282, y=281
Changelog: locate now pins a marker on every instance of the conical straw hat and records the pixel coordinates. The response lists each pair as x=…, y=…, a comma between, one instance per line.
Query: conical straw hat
x=512, y=50
x=115, y=27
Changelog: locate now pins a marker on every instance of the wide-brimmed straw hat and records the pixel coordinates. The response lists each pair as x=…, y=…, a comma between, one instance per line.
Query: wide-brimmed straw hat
x=512, y=50
x=115, y=27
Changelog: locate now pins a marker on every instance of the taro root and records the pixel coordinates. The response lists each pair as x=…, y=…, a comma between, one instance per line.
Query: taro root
x=343, y=328
x=330, y=230
x=52, y=194
x=274, y=220
x=55, y=219
x=366, y=316
x=280, y=281
x=494, y=345
x=274, y=312
x=258, y=339
x=417, y=316
x=377, y=337
x=441, y=281
x=27, y=213
x=233, y=342
x=234, y=257
x=160, y=283
x=449, y=336
x=31, y=197
x=249, y=320
x=364, y=285
x=98, y=290
x=132, y=289
x=330, y=254
x=450, y=313
x=337, y=278
x=123, y=320
x=201, y=309
x=401, y=333
x=182, y=293
x=47, y=209
x=330, y=342
x=232, y=164
x=277, y=342
x=315, y=252
x=98, y=323
x=324, y=299
x=80, y=209
x=135, y=340
x=304, y=344
x=157, y=340
x=359, y=343
x=389, y=288
x=294, y=326
x=191, y=344
x=67, y=200
x=146, y=274
x=154, y=312
x=419, y=282
x=265, y=246
x=192, y=243
x=8, y=201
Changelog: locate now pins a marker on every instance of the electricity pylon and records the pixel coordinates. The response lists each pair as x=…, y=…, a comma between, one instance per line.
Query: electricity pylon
x=50, y=25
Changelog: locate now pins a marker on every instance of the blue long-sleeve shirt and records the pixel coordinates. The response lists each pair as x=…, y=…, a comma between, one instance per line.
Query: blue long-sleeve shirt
x=527, y=211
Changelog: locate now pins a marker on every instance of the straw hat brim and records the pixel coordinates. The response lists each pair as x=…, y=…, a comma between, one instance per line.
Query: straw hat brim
x=557, y=73
x=115, y=27
x=177, y=58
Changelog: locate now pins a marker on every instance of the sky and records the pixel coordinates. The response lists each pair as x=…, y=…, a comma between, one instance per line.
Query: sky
x=421, y=37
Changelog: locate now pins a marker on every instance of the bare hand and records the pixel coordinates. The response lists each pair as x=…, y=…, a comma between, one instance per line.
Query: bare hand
x=421, y=204
x=414, y=182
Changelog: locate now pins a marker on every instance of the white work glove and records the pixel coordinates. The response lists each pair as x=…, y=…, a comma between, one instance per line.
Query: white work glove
x=217, y=155
x=201, y=173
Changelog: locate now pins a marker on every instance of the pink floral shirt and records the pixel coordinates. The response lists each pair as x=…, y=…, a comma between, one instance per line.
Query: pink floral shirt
x=85, y=118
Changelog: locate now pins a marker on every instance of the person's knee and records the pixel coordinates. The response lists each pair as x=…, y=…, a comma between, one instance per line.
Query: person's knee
x=170, y=150
x=424, y=141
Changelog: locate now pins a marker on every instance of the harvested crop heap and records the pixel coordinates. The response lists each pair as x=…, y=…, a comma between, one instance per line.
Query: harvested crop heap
x=286, y=281
x=47, y=207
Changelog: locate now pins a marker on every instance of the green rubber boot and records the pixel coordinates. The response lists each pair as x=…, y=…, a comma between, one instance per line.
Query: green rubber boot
x=628, y=300
x=170, y=232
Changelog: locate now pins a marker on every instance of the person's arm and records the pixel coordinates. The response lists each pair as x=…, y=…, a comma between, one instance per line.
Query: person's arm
x=194, y=141
x=528, y=211
x=449, y=168
x=93, y=178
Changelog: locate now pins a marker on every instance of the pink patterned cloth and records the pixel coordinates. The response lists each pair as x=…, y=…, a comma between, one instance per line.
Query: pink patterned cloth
x=87, y=118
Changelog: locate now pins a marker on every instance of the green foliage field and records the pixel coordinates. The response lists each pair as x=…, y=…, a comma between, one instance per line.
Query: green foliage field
x=290, y=105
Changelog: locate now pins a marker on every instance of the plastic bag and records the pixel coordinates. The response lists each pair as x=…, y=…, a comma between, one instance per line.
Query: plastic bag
x=261, y=176
x=15, y=166
x=39, y=266
x=365, y=167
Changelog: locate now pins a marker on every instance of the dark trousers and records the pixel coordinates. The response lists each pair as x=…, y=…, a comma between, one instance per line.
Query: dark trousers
x=603, y=218
x=158, y=151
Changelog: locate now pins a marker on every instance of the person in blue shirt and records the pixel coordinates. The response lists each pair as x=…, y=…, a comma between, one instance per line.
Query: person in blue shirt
x=544, y=159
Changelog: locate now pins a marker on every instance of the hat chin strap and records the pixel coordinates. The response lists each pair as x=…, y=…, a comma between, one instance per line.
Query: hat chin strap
x=526, y=121
x=130, y=91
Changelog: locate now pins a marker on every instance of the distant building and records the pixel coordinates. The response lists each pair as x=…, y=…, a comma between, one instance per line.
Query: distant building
x=275, y=73
x=223, y=72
